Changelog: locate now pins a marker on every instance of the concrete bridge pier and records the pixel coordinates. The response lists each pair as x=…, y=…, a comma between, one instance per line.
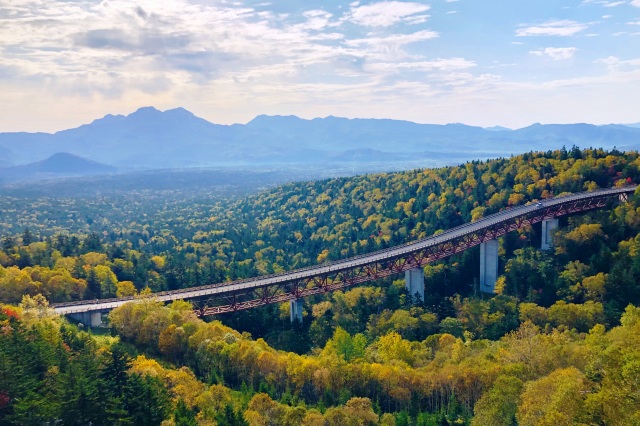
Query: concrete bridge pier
x=88, y=319
x=414, y=283
x=488, y=266
x=295, y=310
x=548, y=225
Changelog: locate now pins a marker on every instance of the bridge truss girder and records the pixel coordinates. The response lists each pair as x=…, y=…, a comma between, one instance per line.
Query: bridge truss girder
x=350, y=276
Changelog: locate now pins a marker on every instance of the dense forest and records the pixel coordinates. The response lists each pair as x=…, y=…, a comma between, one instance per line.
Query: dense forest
x=558, y=343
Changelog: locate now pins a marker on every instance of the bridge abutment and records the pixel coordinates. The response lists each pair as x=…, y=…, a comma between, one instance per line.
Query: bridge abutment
x=295, y=310
x=414, y=283
x=548, y=225
x=488, y=266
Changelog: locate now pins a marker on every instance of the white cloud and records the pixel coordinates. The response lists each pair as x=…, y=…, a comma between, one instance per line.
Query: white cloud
x=386, y=13
x=635, y=3
x=556, y=53
x=395, y=40
x=553, y=28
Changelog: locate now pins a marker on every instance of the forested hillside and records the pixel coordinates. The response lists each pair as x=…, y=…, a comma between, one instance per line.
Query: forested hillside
x=549, y=348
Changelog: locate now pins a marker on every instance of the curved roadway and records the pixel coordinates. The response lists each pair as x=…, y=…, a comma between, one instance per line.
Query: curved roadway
x=299, y=274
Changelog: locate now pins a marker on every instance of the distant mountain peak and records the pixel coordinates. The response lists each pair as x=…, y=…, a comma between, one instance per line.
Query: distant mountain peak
x=109, y=118
x=147, y=110
x=63, y=156
x=180, y=111
x=498, y=129
x=60, y=164
x=263, y=119
x=64, y=162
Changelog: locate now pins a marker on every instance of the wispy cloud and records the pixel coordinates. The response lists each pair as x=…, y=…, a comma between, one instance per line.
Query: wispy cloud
x=615, y=64
x=605, y=3
x=393, y=39
x=387, y=13
x=316, y=20
x=556, y=53
x=441, y=64
x=553, y=28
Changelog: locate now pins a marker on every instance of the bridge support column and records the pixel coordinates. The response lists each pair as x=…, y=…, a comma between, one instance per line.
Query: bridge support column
x=414, y=283
x=88, y=319
x=548, y=225
x=488, y=266
x=295, y=310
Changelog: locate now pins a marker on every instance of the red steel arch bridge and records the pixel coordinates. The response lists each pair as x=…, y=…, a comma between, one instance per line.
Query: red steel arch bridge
x=296, y=284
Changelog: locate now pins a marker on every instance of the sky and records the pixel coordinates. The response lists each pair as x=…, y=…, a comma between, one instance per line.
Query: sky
x=492, y=62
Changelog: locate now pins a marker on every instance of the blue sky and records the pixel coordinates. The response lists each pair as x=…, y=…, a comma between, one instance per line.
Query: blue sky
x=492, y=62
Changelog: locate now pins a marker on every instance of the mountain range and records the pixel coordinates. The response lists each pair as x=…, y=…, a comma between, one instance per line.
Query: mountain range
x=152, y=139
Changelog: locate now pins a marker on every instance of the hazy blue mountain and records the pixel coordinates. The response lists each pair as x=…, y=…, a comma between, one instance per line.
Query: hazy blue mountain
x=583, y=135
x=151, y=139
x=57, y=166
x=635, y=125
x=498, y=129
